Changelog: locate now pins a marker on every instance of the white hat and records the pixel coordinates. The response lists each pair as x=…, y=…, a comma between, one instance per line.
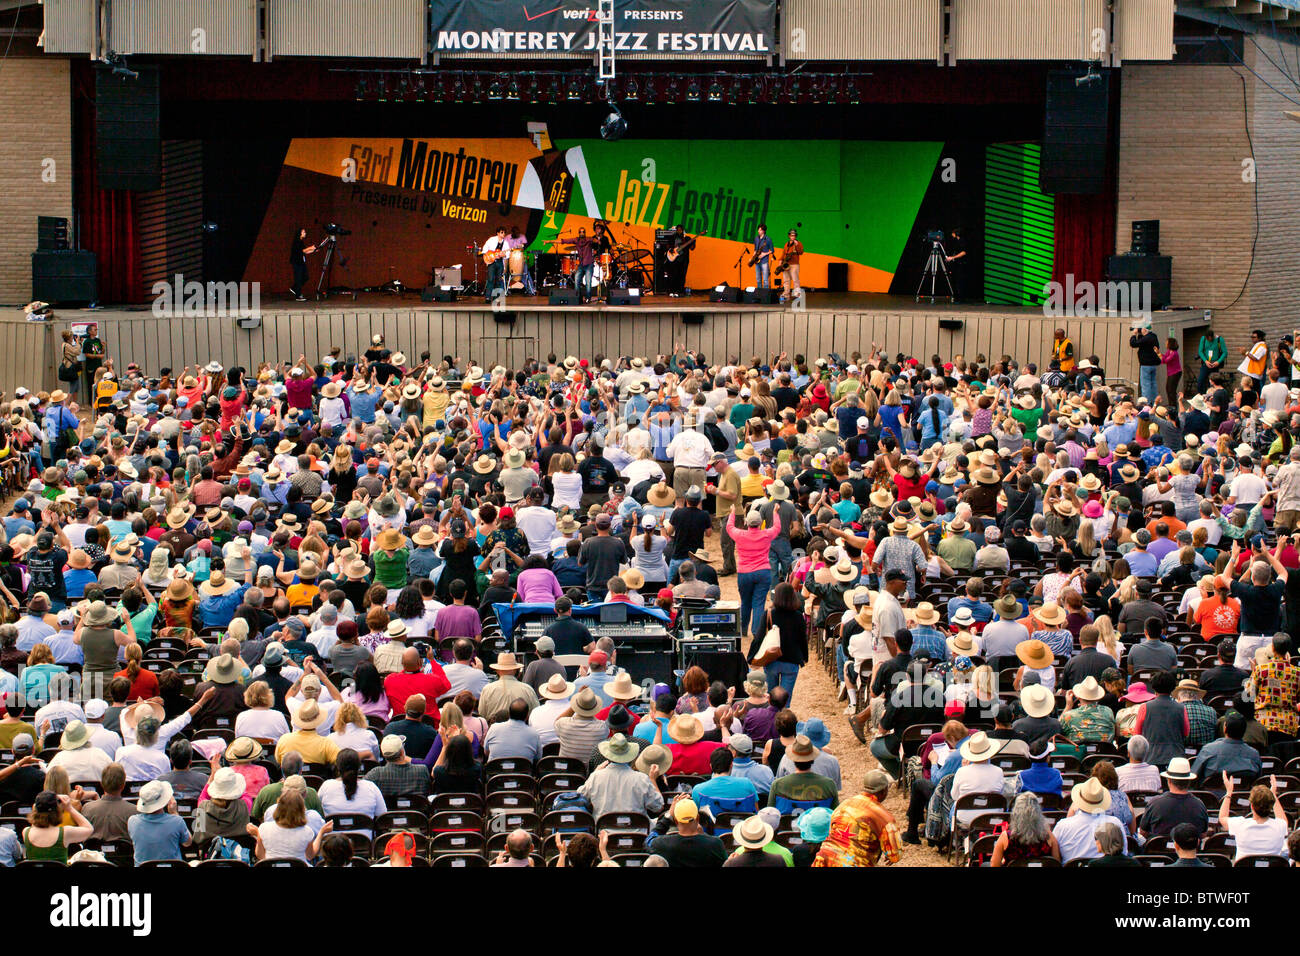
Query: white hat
x=95, y=708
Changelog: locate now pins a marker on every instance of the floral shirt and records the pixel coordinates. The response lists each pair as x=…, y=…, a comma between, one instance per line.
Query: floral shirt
x=1277, y=688
x=862, y=834
x=1089, y=723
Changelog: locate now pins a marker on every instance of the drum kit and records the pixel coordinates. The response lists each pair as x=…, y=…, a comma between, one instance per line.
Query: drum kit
x=622, y=267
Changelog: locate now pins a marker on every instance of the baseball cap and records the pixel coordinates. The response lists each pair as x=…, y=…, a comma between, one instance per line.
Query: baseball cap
x=390, y=746
x=685, y=810
x=599, y=658
x=95, y=708
x=741, y=743
x=544, y=643
x=603, y=520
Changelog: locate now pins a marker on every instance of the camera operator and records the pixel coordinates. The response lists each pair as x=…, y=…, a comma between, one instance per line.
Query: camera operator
x=955, y=256
x=298, y=253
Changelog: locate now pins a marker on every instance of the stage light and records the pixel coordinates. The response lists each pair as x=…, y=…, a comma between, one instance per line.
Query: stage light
x=494, y=90
x=363, y=89
x=534, y=90
x=436, y=94
x=793, y=89
x=575, y=89
x=716, y=92
x=632, y=89
x=403, y=87
x=614, y=127
x=458, y=90
x=478, y=89
x=512, y=90
x=693, y=91
x=381, y=87
x=554, y=92
x=650, y=92
x=421, y=91
x=851, y=92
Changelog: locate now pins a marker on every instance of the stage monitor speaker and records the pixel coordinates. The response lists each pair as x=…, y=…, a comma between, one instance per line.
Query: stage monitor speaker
x=630, y=296
x=1074, y=133
x=692, y=318
x=128, y=147
x=59, y=277
x=724, y=293
x=441, y=294
x=51, y=233
x=837, y=277
x=952, y=325
x=563, y=297
x=504, y=318
x=760, y=296
x=1155, y=270
x=427, y=294
x=1145, y=238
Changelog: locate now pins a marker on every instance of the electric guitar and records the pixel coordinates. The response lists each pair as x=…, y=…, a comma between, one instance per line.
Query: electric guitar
x=494, y=255
x=681, y=247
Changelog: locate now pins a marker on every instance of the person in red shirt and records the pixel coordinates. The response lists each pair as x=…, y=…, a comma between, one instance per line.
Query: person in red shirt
x=691, y=753
x=144, y=684
x=411, y=679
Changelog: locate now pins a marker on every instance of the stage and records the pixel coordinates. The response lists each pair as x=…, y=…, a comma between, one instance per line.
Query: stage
x=529, y=327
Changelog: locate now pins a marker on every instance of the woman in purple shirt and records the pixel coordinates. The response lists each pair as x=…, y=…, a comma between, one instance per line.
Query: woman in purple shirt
x=536, y=583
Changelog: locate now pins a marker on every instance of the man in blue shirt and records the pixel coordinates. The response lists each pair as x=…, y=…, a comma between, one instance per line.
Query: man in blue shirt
x=743, y=765
x=20, y=522
x=363, y=399
x=763, y=250
x=156, y=831
x=664, y=708
x=972, y=600
x=723, y=792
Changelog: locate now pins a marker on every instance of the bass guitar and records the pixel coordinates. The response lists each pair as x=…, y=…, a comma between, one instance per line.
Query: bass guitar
x=681, y=247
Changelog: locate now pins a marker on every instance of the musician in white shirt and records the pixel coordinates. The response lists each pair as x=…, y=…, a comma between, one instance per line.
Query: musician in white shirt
x=496, y=270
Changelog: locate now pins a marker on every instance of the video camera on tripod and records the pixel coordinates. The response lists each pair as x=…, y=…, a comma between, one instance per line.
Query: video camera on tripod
x=334, y=229
x=936, y=264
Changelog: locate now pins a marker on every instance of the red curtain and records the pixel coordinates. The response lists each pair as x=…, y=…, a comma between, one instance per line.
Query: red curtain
x=1085, y=225
x=106, y=217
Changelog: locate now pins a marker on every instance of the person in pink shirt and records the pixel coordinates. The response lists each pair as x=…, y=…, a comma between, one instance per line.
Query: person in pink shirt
x=537, y=583
x=753, y=571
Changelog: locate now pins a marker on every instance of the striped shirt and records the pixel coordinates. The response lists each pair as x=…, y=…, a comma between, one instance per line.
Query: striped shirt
x=579, y=736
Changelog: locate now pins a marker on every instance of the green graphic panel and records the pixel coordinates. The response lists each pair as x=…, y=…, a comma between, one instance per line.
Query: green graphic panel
x=850, y=200
x=1020, y=240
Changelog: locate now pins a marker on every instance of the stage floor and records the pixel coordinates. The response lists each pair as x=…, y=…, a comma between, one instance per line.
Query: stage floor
x=866, y=302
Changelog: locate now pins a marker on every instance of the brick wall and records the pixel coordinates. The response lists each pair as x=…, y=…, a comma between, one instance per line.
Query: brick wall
x=35, y=124
x=1183, y=139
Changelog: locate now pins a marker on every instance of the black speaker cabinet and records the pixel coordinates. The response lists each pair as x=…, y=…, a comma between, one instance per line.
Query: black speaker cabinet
x=625, y=296
x=726, y=293
x=59, y=277
x=760, y=296
x=563, y=297
x=1157, y=270
x=692, y=318
x=504, y=318
x=1074, y=132
x=1146, y=237
x=443, y=295
x=837, y=277
x=128, y=147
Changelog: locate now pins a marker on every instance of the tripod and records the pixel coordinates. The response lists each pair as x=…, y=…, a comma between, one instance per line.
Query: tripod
x=323, y=281
x=935, y=265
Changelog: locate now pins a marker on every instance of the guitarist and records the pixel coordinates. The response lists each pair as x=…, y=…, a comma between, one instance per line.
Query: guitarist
x=762, y=260
x=675, y=269
x=790, y=267
x=494, y=254
x=585, y=247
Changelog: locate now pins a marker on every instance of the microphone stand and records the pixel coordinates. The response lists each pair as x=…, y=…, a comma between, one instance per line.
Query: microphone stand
x=740, y=268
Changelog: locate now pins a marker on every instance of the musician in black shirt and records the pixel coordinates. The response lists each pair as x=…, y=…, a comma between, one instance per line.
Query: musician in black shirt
x=298, y=253
x=675, y=271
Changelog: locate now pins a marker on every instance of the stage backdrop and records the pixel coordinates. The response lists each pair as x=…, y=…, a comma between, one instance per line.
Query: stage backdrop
x=418, y=204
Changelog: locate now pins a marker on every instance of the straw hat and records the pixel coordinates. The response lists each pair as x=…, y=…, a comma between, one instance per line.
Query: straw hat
x=1035, y=654
x=154, y=796
x=100, y=614
x=179, y=516
x=1051, y=613
x=686, y=729
x=485, y=464
x=925, y=613
x=585, y=703
x=223, y=669
x=986, y=476
x=979, y=747
x=1089, y=689
x=425, y=536
x=657, y=756
x=243, y=750
x=882, y=499
x=180, y=589
x=618, y=749
x=217, y=585
x=557, y=688
x=514, y=458
x=227, y=784
x=1037, y=700
x=844, y=571
x=752, y=833
x=1090, y=483
x=122, y=553
x=506, y=662
x=778, y=491
x=308, y=716
x=634, y=579
x=1090, y=796
x=660, y=495
x=802, y=750
x=75, y=736
x=962, y=644
x=145, y=708
x=1064, y=507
